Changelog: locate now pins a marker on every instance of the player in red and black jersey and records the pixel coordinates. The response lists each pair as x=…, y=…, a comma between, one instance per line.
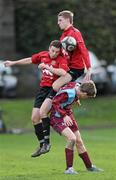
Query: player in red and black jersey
x=53, y=64
x=64, y=122
x=78, y=59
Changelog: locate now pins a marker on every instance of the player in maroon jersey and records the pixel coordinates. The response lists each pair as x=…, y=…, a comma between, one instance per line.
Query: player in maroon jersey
x=64, y=122
x=53, y=65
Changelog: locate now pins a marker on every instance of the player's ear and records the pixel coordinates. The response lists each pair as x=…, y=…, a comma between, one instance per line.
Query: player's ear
x=84, y=95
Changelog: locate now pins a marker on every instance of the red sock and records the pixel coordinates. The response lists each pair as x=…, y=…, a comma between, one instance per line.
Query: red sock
x=69, y=157
x=85, y=157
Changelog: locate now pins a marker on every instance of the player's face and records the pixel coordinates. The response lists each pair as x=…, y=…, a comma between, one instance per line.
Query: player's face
x=54, y=52
x=63, y=23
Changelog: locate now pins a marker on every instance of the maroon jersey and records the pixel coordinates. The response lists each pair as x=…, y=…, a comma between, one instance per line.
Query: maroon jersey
x=47, y=77
x=62, y=102
x=61, y=106
x=79, y=58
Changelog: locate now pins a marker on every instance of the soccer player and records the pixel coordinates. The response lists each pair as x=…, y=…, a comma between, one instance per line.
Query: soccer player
x=64, y=122
x=53, y=65
x=78, y=59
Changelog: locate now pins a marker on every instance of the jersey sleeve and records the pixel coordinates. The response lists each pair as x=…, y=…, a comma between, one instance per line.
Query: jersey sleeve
x=36, y=58
x=85, y=55
x=57, y=101
x=83, y=50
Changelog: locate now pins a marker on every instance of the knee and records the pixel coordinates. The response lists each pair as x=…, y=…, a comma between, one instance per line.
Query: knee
x=43, y=113
x=35, y=118
x=72, y=140
x=71, y=143
x=79, y=143
x=55, y=87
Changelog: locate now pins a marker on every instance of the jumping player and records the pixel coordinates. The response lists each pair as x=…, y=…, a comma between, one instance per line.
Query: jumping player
x=53, y=65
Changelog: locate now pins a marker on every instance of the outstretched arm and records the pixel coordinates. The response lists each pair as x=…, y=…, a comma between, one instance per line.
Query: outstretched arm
x=18, y=62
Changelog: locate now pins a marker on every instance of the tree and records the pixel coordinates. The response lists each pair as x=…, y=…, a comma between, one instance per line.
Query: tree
x=36, y=24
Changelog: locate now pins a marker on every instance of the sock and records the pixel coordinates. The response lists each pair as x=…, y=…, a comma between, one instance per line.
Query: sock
x=85, y=157
x=39, y=133
x=52, y=94
x=69, y=157
x=46, y=129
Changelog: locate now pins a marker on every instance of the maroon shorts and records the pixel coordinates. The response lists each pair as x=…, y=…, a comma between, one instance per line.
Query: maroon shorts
x=58, y=124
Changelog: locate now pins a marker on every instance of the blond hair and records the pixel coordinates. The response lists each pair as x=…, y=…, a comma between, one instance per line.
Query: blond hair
x=67, y=15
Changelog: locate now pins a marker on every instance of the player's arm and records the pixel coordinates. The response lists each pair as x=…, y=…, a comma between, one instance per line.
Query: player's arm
x=86, y=60
x=62, y=69
x=57, y=71
x=85, y=56
x=23, y=61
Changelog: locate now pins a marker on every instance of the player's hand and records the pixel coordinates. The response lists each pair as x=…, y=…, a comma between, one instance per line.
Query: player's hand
x=41, y=66
x=78, y=103
x=87, y=76
x=8, y=63
x=68, y=121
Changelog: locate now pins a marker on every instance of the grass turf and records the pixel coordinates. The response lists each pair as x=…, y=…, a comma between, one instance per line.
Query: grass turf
x=15, y=150
x=16, y=163
x=93, y=112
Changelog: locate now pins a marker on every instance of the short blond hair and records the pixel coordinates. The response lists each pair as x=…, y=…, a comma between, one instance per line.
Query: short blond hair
x=89, y=88
x=67, y=15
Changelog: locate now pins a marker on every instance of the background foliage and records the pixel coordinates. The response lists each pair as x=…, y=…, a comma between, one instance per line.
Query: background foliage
x=36, y=24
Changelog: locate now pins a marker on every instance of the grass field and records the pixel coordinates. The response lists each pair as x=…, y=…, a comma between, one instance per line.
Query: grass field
x=16, y=163
x=99, y=118
x=100, y=111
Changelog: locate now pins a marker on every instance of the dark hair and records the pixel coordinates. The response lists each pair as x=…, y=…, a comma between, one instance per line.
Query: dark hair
x=89, y=88
x=56, y=43
x=67, y=15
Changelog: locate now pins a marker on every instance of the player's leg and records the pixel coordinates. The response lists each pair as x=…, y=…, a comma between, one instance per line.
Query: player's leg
x=71, y=75
x=84, y=154
x=79, y=143
x=59, y=126
x=44, y=110
x=69, y=150
x=82, y=150
x=61, y=81
x=36, y=119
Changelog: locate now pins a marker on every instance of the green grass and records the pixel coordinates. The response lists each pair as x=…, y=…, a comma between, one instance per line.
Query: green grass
x=15, y=150
x=100, y=111
x=16, y=163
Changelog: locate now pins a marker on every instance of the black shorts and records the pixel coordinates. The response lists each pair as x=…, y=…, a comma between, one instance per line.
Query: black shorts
x=75, y=73
x=41, y=96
